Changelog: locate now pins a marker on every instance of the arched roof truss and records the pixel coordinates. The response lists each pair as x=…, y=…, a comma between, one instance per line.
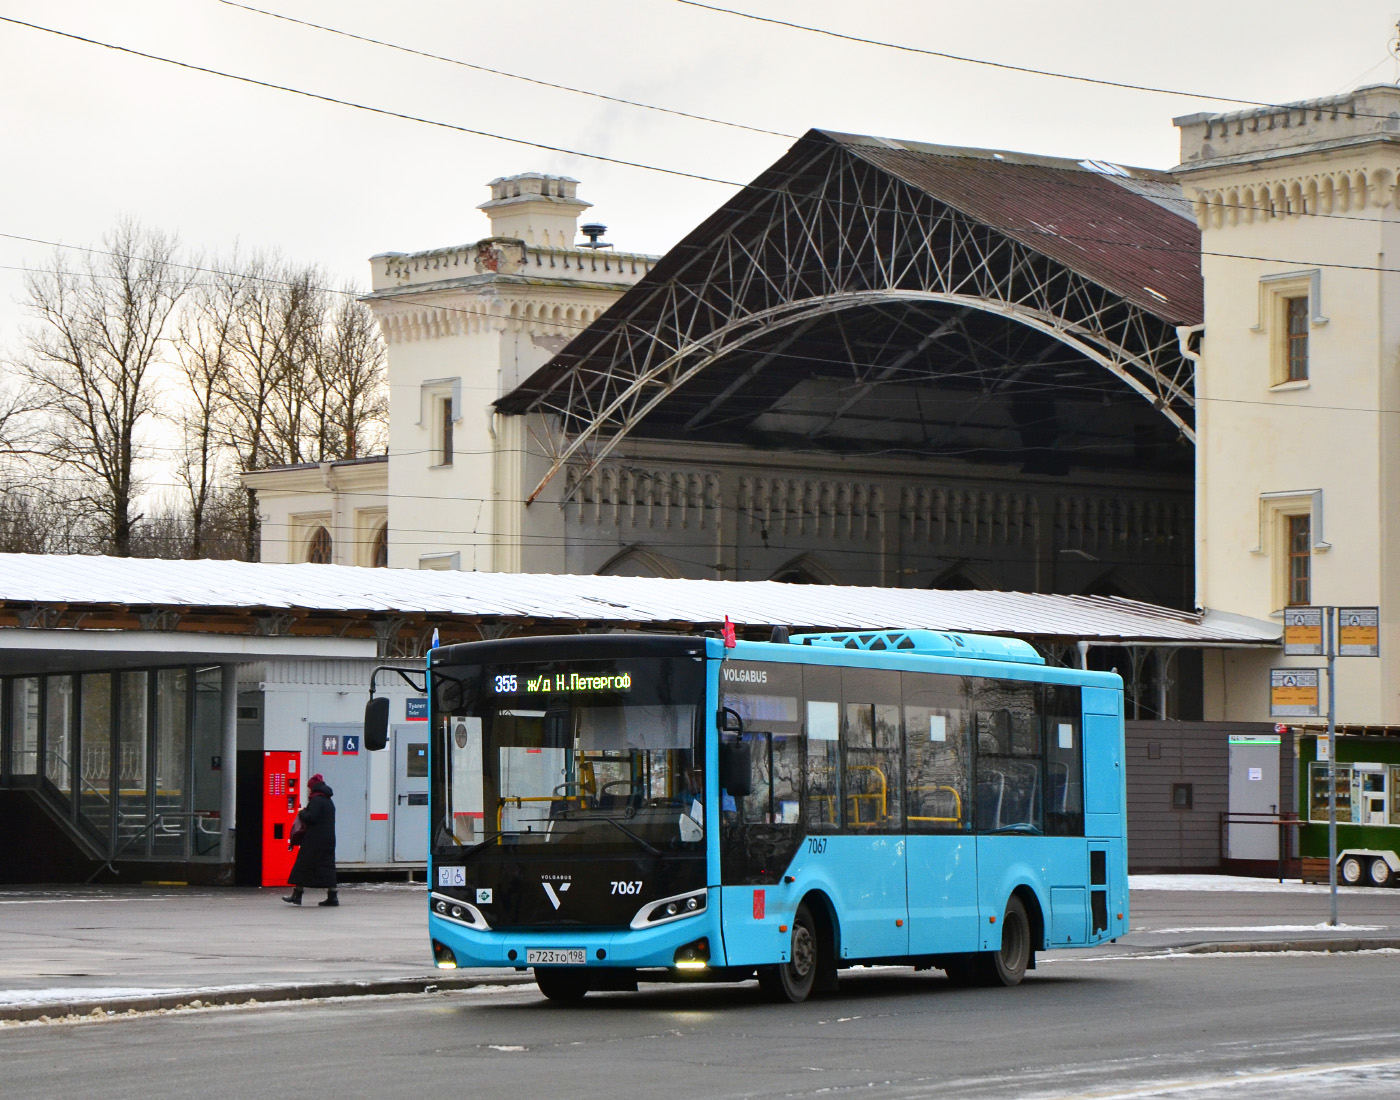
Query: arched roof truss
x=1101, y=260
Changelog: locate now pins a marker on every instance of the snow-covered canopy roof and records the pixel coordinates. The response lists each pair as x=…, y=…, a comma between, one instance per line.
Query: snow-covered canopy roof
x=195, y=590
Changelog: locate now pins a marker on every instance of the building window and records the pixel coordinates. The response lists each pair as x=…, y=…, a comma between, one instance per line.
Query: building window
x=1299, y=560
x=444, y=455
x=1290, y=307
x=1181, y=796
x=318, y=550
x=379, y=553
x=1296, y=312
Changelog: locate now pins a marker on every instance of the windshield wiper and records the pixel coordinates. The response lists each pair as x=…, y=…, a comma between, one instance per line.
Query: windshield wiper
x=466, y=853
x=634, y=836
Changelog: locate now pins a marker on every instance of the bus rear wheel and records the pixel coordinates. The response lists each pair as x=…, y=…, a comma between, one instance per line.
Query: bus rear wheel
x=1007, y=965
x=1380, y=873
x=1351, y=870
x=793, y=980
x=560, y=985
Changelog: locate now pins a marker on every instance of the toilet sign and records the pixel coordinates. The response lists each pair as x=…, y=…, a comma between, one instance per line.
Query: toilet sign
x=1358, y=631
x=1293, y=692
x=330, y=745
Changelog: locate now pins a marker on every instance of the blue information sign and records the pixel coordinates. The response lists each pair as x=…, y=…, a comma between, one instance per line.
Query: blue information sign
x=415, y=710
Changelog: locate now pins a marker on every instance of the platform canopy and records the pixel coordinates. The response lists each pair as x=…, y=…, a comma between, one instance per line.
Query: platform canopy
x=865, y=295
x=338, y=601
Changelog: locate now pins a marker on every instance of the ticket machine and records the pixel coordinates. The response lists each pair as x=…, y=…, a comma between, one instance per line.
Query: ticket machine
x=281, y=798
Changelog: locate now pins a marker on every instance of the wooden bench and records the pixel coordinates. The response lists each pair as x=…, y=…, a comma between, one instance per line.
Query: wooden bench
x=1314, y=869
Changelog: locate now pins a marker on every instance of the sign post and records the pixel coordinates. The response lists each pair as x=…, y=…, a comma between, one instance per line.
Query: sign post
x=1293, y=692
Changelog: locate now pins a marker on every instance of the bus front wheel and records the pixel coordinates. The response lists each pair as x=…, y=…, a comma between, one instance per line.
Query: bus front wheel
x=560, y=985
x=793, y=980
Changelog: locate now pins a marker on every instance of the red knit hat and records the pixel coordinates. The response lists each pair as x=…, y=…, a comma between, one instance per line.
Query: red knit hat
x=317, y=778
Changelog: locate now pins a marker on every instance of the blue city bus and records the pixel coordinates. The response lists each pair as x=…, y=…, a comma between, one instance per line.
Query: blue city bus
x=609, y=809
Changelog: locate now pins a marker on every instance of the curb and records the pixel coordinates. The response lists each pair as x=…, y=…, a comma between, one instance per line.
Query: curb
x=1320, y=946
x=108, y=1006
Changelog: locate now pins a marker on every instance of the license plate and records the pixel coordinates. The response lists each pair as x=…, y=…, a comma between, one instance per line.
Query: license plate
x=554, y=956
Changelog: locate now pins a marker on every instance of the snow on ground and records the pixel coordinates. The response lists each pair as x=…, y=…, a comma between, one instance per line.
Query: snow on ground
x=67, y=994
x=1239, y=884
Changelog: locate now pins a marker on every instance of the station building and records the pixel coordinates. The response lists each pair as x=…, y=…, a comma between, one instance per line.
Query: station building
x=892, y=365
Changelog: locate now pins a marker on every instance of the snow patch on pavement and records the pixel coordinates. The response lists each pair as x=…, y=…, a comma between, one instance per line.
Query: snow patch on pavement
x=1323, y=926
x=68, y=994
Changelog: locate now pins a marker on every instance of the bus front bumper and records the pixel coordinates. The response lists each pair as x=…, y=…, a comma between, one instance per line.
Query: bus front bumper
x=674, y=945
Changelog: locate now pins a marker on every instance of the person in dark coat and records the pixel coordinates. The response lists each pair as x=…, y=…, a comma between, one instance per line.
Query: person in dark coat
x=315, y=862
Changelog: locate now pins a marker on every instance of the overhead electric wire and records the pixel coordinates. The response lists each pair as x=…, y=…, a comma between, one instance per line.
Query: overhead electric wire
x=1032, y=230
x=502, y=72
x=905, y=47
x=385, y=111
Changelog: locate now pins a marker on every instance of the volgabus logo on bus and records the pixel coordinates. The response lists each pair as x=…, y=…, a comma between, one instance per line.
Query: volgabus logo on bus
x=552, y=683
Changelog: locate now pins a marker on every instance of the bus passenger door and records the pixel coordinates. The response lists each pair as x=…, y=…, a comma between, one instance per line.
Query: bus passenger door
x=942, y=852
x=855, y=784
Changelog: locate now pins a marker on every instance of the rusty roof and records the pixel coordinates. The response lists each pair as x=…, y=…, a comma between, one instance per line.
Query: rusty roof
x=1131, y=230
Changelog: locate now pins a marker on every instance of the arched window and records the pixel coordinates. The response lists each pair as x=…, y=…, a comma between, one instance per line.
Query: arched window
x=318, y=550
x=379, y=552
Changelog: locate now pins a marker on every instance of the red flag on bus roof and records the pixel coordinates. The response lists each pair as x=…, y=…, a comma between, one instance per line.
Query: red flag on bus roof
x=729, y=639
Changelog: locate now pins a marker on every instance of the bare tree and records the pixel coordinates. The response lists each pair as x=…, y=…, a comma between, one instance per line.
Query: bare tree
x=203, y=345
x=352, y=410
x=92, y=359
x=304, y=380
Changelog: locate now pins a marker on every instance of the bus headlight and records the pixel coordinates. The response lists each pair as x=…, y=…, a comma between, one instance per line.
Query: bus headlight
x=454, y=909
x=669, y=909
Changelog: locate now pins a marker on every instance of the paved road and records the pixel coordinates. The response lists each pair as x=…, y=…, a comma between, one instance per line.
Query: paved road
x=1257, y=1026
x=62, y=941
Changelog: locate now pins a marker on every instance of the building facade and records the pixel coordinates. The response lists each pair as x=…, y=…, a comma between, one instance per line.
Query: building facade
x=1298, y=383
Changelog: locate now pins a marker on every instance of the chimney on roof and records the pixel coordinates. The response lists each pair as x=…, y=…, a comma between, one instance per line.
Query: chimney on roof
x=535, y=208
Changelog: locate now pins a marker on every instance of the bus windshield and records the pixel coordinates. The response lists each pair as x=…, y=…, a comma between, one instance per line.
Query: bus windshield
x=569, y=757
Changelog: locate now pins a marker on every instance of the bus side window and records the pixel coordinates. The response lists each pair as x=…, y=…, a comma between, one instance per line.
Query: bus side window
x=873, y=768
x=822, y=726
x=1009, y=755
x=1064, y=755
x=938, y=744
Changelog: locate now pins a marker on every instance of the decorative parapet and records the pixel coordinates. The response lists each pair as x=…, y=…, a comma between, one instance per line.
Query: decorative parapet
x=1336, y=155
x=1324, y=192
x=508, y=256
x=817, y=506
x=652, y=498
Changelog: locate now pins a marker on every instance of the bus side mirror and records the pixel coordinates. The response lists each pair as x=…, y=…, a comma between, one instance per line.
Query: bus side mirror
x=736, y=768
x=376, y=723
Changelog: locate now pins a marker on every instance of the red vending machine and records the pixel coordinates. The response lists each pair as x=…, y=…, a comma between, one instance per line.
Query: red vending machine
x=281, y=801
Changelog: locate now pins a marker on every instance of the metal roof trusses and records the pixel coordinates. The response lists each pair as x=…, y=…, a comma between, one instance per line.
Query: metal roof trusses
x=823, y=232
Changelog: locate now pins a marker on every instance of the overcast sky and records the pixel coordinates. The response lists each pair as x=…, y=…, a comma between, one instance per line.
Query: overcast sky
x=90, y=135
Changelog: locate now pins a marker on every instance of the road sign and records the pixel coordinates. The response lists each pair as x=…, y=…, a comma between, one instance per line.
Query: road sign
x=1302, y=631
x=1358, y=631
x=1293, y=693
